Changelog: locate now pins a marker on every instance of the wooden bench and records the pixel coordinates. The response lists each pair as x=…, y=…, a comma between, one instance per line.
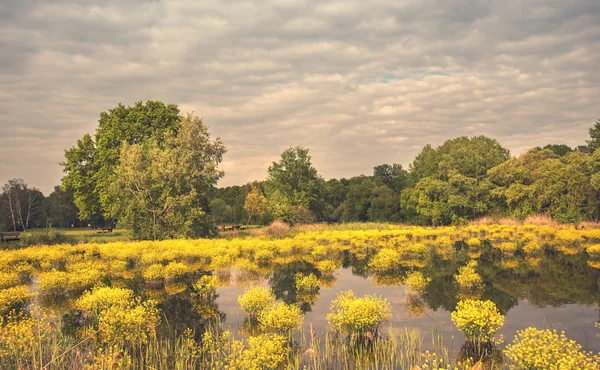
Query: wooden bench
x=106, y=230
x=233, y=227
x=7, y=237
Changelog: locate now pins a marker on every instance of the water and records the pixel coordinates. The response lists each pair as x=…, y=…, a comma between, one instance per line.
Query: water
x=554, y=290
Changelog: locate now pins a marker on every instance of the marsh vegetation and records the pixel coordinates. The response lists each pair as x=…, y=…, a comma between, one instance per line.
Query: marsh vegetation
x=317, y=297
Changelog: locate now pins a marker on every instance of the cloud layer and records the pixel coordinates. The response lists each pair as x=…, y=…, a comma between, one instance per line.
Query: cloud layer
x=359, y=83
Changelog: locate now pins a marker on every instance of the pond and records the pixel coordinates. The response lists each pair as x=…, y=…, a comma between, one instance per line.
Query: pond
x=536, y=277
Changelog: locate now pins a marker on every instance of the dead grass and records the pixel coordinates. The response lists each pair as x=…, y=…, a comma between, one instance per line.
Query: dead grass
x=541, y=220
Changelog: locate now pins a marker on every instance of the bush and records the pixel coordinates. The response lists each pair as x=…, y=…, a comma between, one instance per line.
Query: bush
x=45, y=237
x=101, y=298
x=281, y=318
x=131, y=326
x=546, y=349
x=385, y=260
x=265, y=352
x=478, y=320
x=14, y=298
x=355, y=315
x=255, y=300
x=277, y=228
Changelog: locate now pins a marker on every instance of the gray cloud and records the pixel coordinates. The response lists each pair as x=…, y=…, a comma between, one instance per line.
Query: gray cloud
x=359, y=83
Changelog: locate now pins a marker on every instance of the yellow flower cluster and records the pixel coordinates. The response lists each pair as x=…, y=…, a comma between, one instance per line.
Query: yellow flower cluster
x=255, y=300
x=280, y=318
x=547, y=349
x=478, y=320
x=355, y=315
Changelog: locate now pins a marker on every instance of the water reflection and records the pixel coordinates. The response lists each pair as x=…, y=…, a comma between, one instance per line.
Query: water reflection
x=548, y=289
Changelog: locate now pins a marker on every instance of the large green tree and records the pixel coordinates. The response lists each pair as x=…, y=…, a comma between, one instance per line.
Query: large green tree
x=594, y=141
x=294, y=182
x=540, y=181
x=450, y=180
x=91, y=163
x=162, y=185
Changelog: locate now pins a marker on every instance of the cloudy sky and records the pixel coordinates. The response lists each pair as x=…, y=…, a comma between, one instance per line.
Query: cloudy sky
x=359, y=83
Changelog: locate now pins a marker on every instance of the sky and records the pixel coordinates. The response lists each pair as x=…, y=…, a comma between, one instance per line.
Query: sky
x=359, y=83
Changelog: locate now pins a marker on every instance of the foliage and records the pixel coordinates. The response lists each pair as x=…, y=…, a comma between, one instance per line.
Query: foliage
x=355, y=315
x=280, y=318
x=255, y=204
x=161, y=186
x=265, y=352
x=101, y=298
x=255, y=300
x=90, y=164
x=132, y=326
x=478, y=320
x=293, y=181
x=546, y=349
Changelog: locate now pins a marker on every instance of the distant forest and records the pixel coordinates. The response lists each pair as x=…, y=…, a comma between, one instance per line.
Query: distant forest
x=151, y=169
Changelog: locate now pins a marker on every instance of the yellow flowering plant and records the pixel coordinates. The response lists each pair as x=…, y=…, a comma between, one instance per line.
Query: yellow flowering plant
x=477, y=320
x=358, y=315
x=547, y=349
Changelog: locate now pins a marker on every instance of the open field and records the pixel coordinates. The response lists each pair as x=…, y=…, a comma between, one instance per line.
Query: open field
x=196, y=304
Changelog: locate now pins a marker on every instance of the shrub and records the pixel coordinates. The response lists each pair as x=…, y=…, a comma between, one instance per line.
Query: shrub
x=386, y=259
x=154, y=272
x=326, y=267
x=14, y=298
x=255, y=300
x=467, y=277
x=546, y=349
x=101, y=298
x=415, y=282
x=130, y=326
x=265, y=352
x=306, y=283
x=281, y=318
x=478, y=320
x=277, y=228
x=355, y=315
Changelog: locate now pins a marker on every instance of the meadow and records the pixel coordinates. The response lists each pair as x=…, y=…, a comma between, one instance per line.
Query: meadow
x=173, y=304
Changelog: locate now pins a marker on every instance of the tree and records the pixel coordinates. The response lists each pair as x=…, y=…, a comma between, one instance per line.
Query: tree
x=296, y=181
x=393, y=176
x=255, y=204
x=450, y=180
x=594, y=142
x=162, y=188
x=91, y=163
x=542, y=182
x=558, y=149
x=220, y=210
x=21, y=203
x=61, y=209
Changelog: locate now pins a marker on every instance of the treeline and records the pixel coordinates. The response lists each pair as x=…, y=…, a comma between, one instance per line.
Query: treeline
x=461, y=180
x=153, y=170
x=23, y=208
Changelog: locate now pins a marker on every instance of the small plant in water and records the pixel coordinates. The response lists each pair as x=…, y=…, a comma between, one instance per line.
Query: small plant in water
x=354, y=315
x=255, y=300
x=478, y=320
x=546, y=349
x=281, y=318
